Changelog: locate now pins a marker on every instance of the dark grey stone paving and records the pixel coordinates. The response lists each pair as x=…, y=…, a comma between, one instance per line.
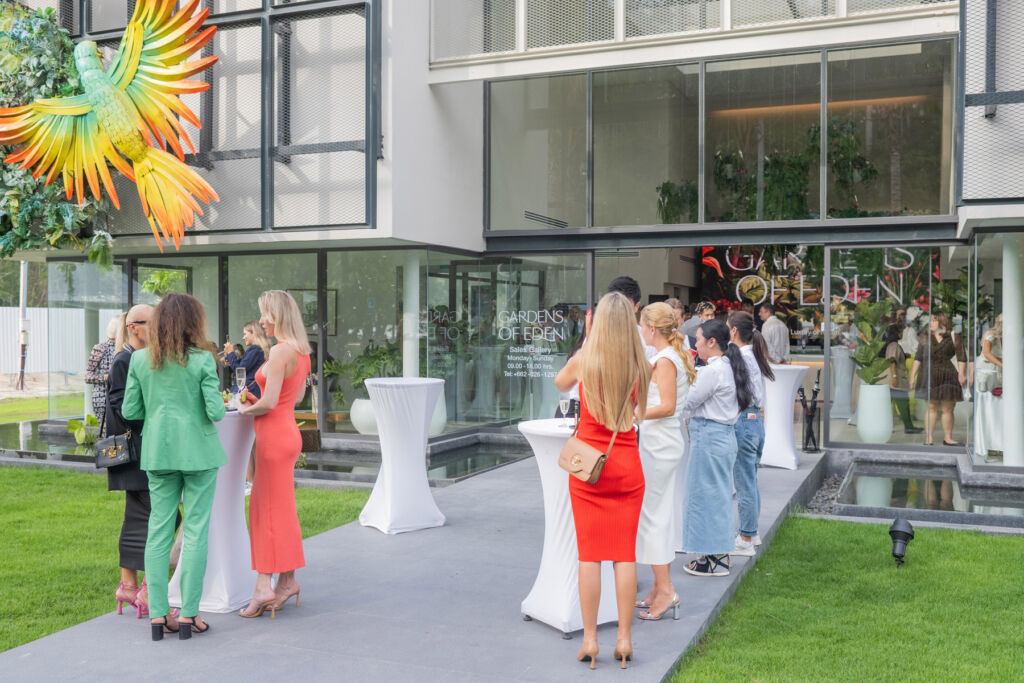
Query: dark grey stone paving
x=434, y=605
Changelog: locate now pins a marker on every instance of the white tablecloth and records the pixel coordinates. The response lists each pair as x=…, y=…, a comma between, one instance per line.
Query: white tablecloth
x=401, y=499
x=230, y=578
x=988, y=423
x=779, y=445
x=554, y=598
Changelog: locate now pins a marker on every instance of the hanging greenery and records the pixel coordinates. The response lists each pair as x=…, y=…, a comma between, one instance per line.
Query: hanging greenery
x=678, y=203
x=36, y=61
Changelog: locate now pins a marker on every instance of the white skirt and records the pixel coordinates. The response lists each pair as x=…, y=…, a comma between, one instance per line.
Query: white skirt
x=661, y=451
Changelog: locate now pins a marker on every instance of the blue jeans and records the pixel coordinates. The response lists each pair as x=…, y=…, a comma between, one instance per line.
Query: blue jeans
x=708, y=520
x=749, y=447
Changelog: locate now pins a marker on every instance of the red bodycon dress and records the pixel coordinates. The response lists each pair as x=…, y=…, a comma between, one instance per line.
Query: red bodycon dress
x=274, y=533
x=607, y=513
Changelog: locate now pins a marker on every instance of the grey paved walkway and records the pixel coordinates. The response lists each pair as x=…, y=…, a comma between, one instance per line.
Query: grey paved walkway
x=435, y=605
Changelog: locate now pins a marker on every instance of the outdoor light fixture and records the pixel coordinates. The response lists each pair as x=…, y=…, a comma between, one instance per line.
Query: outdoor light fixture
x=902, y=534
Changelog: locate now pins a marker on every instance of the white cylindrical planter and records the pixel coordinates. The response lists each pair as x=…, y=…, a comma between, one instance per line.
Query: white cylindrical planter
x=1013, y=354
x=842, y=381
x=874, y=491
x=362, y=416
x=874, y=413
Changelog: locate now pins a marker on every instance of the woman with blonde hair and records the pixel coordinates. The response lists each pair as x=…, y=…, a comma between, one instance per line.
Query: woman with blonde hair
x=97, y=370
x=173, y=385
x=661, y=450
x=613, y=374
x=257, y=349
x=945, y=382
x=274, y=533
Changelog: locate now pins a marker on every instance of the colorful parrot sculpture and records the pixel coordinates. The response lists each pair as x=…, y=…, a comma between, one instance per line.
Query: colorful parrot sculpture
x=131, y=109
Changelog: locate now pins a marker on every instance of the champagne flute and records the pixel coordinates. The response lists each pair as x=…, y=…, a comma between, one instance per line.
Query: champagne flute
x=563, y=408
x=239, y=383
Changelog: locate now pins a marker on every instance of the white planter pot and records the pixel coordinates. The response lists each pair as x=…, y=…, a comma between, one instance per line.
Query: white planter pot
x=874, y=413
x=365, y=420
x=874, y=491
x=363, y=417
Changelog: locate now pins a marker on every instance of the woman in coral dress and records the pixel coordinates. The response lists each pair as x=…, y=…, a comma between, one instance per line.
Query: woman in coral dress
x=613, y=375
x=274, y=533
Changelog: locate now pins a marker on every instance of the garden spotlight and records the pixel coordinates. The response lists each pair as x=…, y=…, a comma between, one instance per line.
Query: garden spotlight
x=902, y=533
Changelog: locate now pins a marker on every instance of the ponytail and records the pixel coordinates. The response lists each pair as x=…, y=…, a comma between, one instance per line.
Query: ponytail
x=676, y=340
x=743, y=323
x=716, y=329
x=122, y=333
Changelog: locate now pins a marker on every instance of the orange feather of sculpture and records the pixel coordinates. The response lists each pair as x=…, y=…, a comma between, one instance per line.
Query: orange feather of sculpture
x=126, y=116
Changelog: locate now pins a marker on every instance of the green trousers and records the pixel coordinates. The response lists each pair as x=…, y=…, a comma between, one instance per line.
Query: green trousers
x=195, y=491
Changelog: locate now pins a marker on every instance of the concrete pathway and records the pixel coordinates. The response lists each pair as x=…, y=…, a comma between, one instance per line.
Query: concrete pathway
x=435, y=605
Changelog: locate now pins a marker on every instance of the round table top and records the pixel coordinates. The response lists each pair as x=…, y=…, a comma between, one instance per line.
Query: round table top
x=789, y=369
x=403, y=382
x=550, y=427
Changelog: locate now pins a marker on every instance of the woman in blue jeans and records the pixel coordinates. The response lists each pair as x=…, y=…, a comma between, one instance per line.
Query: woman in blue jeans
x=749, y=429
x=713, y=403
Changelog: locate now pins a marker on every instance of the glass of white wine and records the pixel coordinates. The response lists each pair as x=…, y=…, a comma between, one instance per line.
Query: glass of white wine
x=239, y=384
x=563, y=408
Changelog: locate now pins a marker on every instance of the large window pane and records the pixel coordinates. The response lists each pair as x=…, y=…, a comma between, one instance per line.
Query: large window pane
x=762, y=138
x=646, y=146
x=538, y=153
x=890, y=130
x=198, y=276
x=996, y=353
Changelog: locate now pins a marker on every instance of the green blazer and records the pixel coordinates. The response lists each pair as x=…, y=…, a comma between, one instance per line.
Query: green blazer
x=179, y=405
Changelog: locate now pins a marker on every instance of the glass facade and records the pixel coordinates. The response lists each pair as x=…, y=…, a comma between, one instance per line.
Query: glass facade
x=887, y=147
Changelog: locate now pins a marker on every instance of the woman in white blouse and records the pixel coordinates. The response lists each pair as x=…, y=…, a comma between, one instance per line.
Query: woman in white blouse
x=712, y=406
x=749, y=429
x=661, y=450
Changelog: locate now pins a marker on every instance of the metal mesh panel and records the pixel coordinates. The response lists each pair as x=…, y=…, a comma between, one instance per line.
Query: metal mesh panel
x=319, y=169
x=108, y=15
x=567, y=22
x=225, y=6
x=866, y=6
x=656, y=17
x=469, y=27
x=754, y=12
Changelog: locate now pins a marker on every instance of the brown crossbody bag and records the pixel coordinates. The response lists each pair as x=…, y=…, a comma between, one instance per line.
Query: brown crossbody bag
x=582, y=460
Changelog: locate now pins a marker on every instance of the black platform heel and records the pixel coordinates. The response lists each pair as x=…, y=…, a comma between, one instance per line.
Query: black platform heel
x=158, y=631
x=186, y=629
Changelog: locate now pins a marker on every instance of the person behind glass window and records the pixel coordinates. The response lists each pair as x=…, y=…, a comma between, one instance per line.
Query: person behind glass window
x=749, y=429
x=896, y=375
x=173, y=385
x=257, y=348
x=775, y=333
x=712, y=405
x=97, y=370
x=989, y=364
x=614, y=376
x=662, y=448
x=934, y=370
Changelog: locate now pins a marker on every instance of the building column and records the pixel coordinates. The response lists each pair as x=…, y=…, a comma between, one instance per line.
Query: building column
x=411, y=314
x=1013, y=352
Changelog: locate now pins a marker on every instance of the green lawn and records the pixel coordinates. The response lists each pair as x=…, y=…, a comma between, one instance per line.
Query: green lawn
x=826, y=603
x=58, y=546
x=20, y=409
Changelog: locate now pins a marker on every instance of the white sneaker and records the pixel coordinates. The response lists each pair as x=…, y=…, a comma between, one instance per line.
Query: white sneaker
x=756, y=540
x=745, y=548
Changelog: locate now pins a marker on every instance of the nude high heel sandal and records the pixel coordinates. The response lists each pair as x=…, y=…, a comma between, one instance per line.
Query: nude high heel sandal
x=588, y=651
x=623, y=651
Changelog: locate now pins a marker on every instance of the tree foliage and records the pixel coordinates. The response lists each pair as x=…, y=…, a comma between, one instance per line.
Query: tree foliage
x=37, y=61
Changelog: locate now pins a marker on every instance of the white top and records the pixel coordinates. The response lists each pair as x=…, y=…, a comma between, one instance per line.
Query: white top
x=776, y=336
x=713, y=395
x=682, y=381
x=909, y=341
x=756, y=378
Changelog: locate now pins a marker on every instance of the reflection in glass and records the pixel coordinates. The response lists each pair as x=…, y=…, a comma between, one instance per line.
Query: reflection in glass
x=890, y=130
x=538, y=153
x=646, y=146
x=762, y=138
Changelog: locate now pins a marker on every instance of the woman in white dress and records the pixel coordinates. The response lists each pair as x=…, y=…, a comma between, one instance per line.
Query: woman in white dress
x=661, y=449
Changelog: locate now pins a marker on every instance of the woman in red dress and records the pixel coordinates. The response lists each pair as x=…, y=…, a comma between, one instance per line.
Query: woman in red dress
x=614, y=376
x=274, y=533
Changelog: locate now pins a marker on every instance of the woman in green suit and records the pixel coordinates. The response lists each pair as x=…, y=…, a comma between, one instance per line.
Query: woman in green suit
x=173, y=385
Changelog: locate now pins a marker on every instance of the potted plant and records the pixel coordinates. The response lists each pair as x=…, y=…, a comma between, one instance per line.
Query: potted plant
x=874, y=407
x=375, y=360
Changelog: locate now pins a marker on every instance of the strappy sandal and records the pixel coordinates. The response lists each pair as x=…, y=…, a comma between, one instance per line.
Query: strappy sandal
x=162, y=627
x=187, y=628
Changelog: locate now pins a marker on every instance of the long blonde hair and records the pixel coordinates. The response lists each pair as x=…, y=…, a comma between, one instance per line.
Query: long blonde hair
x=122, y=333
x=661, y=316
x=997, y=327
x=254, y=328
x=614, y=366
x=280, y=308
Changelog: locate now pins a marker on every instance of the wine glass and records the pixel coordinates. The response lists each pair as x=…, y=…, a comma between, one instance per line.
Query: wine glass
x=240, y=379
x=563, y=409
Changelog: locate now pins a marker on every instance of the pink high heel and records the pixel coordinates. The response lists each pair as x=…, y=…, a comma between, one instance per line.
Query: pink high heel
x=125, y=595
x=141, y=602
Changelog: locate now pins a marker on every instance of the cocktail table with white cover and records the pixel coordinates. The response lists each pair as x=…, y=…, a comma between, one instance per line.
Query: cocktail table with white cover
x=554, y=598
x=401, y=499
x=780, y=396
x=229, y=575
